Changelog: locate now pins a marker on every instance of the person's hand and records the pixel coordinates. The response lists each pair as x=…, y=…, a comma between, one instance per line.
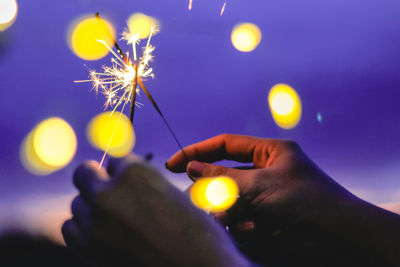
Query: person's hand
x=131, y=215
x=283, y=185
x=287, y=205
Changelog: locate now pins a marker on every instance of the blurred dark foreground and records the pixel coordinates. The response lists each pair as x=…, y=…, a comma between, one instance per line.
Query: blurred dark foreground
x=22, y=249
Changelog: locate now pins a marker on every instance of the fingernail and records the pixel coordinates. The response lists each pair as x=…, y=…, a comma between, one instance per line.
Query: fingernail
x=196, y=168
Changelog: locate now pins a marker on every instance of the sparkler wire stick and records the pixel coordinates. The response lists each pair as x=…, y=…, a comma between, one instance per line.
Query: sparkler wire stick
x=162, y=116
x=223, y=8
x=119, y=50
x=126, y=60
x=133, y=97
x=137, y=68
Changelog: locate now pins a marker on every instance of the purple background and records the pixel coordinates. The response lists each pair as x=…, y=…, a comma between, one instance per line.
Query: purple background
x=341, y=56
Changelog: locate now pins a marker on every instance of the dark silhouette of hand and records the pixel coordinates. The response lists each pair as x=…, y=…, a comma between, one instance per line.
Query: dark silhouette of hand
x=289, y=210
x=131, y=215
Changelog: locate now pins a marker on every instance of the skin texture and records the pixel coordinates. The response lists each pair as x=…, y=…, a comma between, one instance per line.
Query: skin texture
x=130, y=215
x=290, y=213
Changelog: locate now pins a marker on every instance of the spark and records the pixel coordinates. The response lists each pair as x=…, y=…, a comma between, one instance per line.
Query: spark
x=222, y=9
x=118, y=82
x=112, y=136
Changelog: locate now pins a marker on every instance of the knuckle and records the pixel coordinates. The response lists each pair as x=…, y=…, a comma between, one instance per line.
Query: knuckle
x=133, y=169
x=127, y=161
x=83, y=170
x=78, y=173
x=290, y=144
x=65, y=228
x=75, y=205
x=223, y=136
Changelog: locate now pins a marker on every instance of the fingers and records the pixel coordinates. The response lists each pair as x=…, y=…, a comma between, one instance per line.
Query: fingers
x=72, y=235
x=245, y=179
x=89, y=179
x=81, y=212
x=196, y=170
x=222, y=217
x=232, y=147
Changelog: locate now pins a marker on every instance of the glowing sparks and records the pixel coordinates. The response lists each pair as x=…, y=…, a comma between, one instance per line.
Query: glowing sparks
x=222, y=9
x=118, y=82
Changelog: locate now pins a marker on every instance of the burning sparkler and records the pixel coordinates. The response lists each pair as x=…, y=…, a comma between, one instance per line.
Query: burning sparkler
x=120, y=83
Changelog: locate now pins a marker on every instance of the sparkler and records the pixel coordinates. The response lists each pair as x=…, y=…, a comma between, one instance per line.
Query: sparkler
x=121, y=82
x=222, y=9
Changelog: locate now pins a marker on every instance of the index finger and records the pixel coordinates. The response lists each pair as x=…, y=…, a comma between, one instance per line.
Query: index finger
x=89, y=179
x=226, y=146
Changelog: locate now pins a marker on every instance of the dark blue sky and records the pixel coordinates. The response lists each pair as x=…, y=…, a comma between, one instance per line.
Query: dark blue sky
x=342, y=57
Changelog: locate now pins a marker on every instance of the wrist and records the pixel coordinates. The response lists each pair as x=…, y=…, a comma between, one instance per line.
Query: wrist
x=361, y=227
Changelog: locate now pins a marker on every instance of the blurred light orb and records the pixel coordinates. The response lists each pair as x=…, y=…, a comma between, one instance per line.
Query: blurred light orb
x=214, y=194
x=116, y=126
x=140, y=24
x=246, y=37
x=8, y=13
x=50, y=146
x=84, y=37
x=285, y=106
x=55, y=142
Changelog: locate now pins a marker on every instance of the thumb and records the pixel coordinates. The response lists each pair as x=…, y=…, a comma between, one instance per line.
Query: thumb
x=197, y=170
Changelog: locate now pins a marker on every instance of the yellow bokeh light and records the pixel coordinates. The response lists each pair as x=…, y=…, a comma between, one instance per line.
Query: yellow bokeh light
x=84, y=36
x=214, y=194
x=50, y=146
x=246, y=37
x=115, y=127
x=285, y=106
x=141, y=25
x=8, y=13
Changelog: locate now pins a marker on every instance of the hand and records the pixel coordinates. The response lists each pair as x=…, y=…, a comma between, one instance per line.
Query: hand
x=283, y=182
x=289, y=209
x=132, y=215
